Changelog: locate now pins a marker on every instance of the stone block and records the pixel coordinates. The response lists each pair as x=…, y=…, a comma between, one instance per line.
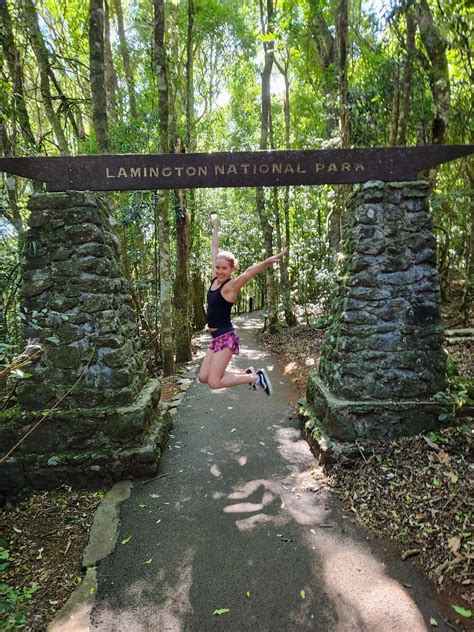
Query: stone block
x=96, y=302
x=118, y=357
x=12, y=477
x=82, y=215
x=61, y=200
x=35, y=282
x=351, y=419
x=83, y=233
x=38, y=218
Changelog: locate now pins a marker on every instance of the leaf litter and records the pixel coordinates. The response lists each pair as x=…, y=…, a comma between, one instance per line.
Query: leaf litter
x=46, y=535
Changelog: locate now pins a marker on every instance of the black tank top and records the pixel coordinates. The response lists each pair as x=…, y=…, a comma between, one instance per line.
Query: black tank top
x=218, y=308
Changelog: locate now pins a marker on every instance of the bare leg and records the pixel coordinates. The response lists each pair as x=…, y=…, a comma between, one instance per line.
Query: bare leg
x=205, y=366
x=219, y=377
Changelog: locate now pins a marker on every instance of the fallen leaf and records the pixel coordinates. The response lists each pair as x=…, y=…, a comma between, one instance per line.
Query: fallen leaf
x=443, y=457
x=432, y=444
x=149, y=561
x=453, y=477
x=433, y=622
x=220, y=611
x=247, y=594
x=454, y=543
x=233, y=429
x=127, y=540
x=303, y=594
x=462, y=611
x=142, y=506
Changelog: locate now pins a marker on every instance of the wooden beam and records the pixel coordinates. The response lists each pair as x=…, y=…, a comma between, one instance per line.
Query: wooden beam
x=232, y=169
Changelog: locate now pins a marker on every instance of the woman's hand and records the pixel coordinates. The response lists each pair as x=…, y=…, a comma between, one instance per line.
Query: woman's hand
x=215, y=221
x=277, y=258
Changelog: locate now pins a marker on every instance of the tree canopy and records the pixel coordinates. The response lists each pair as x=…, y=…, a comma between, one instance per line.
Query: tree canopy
x=215, y=75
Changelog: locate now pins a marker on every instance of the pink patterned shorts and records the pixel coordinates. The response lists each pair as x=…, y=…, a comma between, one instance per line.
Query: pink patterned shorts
x=230, y=340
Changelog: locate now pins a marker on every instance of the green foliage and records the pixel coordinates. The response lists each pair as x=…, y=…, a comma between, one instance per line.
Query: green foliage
x=12, y=601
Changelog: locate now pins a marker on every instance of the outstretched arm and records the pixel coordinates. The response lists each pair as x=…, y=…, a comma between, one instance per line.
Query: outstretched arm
x=233, y=287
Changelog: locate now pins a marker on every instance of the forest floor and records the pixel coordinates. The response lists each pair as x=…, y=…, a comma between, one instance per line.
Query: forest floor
x=426, y=510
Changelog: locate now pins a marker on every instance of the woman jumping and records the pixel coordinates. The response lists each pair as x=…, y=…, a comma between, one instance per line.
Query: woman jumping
x=221, y=296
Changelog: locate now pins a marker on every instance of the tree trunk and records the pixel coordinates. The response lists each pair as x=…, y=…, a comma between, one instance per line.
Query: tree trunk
x=181, y=293
x=438, y=69
x=13, y=215
x=268, y=46
x=344, y=108
x=468, y=298
x=97, y=74
x=109, y=68
x=41, y=54
x=198, y=292
x=407, y=79
x=288, y=308
x=12, y=56
x=325, y=45
x=336, y=216
x=183, y=228
x=167, y=341
x=127, y=66
x=395, y=107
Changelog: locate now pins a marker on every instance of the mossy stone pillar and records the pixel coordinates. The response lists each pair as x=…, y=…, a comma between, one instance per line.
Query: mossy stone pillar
x=382, y=358
x=77, y=305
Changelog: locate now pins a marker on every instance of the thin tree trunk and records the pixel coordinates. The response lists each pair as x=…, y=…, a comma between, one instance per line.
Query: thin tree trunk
x=344, y=108
x=41, y=54
x=167, y=341
x=438, y=70
x=198, y=291
x=407, y=79
x=272, y=307
x=97, y=74
x=127, y=66
x=11, y=183
x=325, y=44
x=468, y=298
x=181, y=293
x=182, y=299
x=12, y=56
x=336, y=217
x=288, y=308
x=395, y=107
x=109, y=68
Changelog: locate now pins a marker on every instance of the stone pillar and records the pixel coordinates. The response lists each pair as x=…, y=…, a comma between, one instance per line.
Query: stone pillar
x=76, y=303
x=382, y=358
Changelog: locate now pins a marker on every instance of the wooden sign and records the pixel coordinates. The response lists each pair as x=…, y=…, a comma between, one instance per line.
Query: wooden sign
x=231, y=169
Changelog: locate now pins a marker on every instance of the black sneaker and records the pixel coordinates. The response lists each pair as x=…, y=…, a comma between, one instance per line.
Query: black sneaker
x=263, y=382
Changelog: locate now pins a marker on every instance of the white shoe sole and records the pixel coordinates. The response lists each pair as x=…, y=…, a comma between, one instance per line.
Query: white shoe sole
x=269, y=384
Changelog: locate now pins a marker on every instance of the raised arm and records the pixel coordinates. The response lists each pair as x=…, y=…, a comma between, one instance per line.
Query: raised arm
x=232, y=288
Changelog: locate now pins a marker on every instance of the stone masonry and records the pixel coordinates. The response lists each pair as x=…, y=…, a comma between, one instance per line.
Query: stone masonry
x=382, y=358
x=76, y=304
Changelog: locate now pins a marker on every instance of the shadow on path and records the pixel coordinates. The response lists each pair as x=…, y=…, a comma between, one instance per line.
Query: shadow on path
x=239, y=522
